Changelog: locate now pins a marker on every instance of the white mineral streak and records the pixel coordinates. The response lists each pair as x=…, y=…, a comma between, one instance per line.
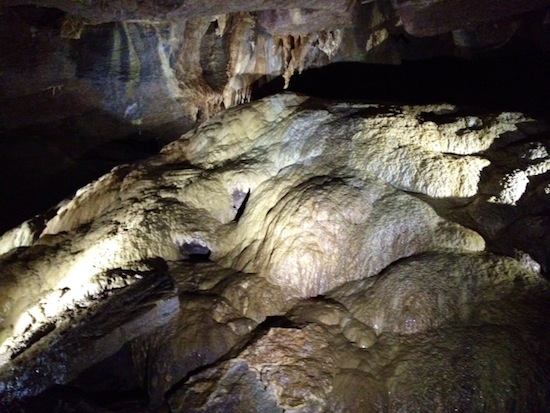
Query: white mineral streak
x=327, y=204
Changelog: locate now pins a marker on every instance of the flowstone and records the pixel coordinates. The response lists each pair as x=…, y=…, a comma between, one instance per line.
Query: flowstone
x=316, y=256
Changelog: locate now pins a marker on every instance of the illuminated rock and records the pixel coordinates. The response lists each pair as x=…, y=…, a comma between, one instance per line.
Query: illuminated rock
x=309, y=247
x=314, y=365
x=421, y=293
x=132, y=303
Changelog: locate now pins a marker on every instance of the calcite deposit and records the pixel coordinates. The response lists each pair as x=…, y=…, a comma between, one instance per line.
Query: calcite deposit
x=88, y=84
x=293, y=255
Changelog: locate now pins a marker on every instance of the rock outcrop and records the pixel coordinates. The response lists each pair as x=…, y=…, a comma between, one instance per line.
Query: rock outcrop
x=294, y=254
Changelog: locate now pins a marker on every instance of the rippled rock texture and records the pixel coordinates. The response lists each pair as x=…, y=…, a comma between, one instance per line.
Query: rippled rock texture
x=86, y=85
x=293, y=255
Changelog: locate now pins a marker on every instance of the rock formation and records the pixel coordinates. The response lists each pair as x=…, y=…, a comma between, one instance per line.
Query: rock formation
x=382, y=251
x=293, y=254
x=82, y=83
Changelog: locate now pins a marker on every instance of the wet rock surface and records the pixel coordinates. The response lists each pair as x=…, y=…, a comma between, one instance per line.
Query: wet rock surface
x=297, y=255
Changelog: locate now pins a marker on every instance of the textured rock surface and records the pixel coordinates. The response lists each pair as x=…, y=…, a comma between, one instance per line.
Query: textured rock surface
x=86, y=85
x=427, y=18
x=133, y=303
x=316, y=265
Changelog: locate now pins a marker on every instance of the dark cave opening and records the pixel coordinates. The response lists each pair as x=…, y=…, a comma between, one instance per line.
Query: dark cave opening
x=195, y=252
x=496, y=84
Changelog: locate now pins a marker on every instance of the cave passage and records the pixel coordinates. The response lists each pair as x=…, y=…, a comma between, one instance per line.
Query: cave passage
x=503, y=84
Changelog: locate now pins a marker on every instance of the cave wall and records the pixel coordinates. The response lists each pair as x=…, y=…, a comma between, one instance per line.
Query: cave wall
x=83, y=84
x=162, y=68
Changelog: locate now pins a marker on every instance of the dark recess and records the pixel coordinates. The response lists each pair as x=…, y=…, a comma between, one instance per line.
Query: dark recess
x=194, y=252
x=500, y=84
x=240, y=199
x=26, y=192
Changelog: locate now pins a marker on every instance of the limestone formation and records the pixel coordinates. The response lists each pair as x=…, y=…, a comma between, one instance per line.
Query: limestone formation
x=86, y=85
x=297, y=255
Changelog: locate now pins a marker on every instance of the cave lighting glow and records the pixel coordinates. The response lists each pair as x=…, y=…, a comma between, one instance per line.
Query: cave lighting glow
x=78, y=286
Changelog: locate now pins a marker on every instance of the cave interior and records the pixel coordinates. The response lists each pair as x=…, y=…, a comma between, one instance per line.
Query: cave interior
x=94, y=92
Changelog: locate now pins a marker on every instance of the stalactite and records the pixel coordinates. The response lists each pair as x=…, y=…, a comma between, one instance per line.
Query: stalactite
x=254, y=53
x=244, y=59
x=330, y=41
x=296, y=49
x=297, y=54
